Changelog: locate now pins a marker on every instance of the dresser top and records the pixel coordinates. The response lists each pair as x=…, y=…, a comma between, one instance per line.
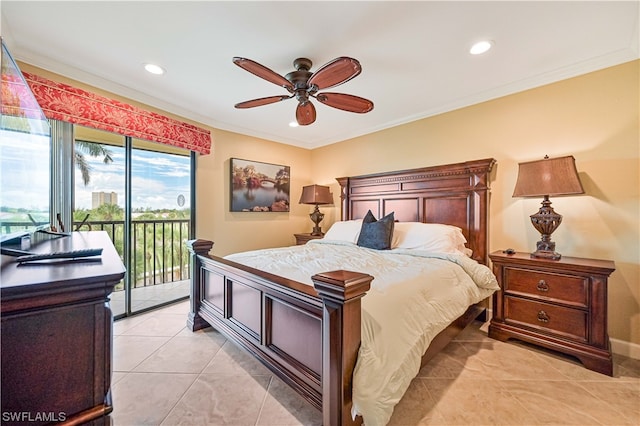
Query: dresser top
x=566, y=262
x=50, y=274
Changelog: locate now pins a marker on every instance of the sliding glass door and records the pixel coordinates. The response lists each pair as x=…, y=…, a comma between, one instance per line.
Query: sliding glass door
x=99, y=192
x=139, y=192
x=160, y=223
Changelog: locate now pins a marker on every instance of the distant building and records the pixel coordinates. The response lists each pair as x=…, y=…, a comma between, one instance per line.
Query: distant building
x=100, y=198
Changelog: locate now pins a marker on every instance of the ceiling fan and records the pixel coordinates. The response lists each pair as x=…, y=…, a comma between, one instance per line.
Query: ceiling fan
x=304, y=85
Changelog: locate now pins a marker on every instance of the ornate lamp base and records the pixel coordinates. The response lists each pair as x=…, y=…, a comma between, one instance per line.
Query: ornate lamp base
x=546, y=254
x=546, y=221
x=316, y=218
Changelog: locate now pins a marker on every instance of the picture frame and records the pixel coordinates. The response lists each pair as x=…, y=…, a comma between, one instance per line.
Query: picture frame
x=255, y=186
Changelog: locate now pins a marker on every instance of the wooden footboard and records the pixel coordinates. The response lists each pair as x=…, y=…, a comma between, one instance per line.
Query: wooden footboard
x=308, y=336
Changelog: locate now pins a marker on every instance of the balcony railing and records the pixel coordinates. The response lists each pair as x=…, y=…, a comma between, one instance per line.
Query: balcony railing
x=158, y=252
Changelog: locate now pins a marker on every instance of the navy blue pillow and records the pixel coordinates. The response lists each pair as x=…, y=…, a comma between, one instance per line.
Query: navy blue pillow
x=376, y=234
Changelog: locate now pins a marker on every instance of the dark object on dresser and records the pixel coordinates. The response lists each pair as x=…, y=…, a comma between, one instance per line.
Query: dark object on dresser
x=557, y=304
x=269, y=315
x=56, y=333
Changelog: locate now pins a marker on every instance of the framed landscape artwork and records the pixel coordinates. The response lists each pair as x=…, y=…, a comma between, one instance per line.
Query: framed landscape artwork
x=258, y=187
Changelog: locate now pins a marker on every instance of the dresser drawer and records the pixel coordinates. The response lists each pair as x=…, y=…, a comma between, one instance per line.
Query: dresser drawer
x=567, y=289
x=559, y=320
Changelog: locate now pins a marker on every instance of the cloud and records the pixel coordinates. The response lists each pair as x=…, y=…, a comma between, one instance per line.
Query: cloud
x=24, y=171
x=157, y=179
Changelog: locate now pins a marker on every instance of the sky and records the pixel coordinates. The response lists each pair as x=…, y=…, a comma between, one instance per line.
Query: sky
x=24, y=170
x=158, y=179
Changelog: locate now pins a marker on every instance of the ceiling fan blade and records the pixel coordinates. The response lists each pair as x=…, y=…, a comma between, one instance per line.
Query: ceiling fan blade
x=344, y=102
x=263, y=72
x=261, y=101
x=305, y=113
x=336, y=72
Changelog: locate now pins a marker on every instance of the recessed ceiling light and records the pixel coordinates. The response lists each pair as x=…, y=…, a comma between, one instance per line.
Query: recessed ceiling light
x=293, y=124
x=154, y=69
x=481, y=47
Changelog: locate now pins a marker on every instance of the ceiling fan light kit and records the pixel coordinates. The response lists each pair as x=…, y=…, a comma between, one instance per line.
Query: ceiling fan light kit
x=304, y=85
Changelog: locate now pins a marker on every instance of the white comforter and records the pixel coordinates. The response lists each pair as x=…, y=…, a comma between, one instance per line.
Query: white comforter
x=413, y=297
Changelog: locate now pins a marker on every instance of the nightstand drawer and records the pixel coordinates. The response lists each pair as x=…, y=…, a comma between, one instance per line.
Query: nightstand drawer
x=568, y=322
x=567, y=289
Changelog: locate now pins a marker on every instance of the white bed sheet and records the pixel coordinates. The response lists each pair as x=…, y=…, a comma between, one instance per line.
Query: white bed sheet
x=414, y=296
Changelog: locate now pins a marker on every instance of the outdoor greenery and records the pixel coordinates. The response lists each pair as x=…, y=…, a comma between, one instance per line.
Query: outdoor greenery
x=158, y=253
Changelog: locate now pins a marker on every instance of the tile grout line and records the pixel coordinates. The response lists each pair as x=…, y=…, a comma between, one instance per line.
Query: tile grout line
x=198, y=375
x=264, y=400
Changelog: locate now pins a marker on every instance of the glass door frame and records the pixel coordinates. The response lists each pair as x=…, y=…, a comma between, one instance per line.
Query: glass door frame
x=62, y=164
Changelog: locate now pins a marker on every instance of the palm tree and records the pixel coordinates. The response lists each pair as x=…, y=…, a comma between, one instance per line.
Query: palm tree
x=94, y=150
x=110, y=212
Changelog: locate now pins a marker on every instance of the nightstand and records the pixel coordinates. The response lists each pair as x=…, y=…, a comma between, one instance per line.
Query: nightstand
x=302, y=239
x=557, y=304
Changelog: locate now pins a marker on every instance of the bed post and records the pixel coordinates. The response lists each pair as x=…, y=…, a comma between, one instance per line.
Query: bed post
x=344, y=198
x=341, y=293
x=196, y=248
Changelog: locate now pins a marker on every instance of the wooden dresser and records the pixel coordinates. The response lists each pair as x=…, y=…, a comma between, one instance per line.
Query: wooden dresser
x=557, y=304
x=56, y=335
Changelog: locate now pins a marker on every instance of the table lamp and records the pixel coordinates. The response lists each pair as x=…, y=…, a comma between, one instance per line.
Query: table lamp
x=316, y=194
x=549, y=176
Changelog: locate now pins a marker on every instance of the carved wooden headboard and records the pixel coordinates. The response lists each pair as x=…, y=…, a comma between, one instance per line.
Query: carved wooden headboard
x=454, y=194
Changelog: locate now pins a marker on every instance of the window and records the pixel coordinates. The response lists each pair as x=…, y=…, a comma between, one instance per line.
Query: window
x=126, y=190
x=24, y=156
x=144, y=203
x=24, y=177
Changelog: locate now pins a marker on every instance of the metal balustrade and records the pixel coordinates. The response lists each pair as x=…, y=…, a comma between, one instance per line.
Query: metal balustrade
x=158, y=253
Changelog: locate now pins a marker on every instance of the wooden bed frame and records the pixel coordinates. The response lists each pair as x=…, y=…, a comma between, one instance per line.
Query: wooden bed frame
x=269, y=316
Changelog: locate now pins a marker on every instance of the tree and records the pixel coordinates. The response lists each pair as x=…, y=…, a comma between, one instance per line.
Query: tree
x=109, y=212
x=94, y=150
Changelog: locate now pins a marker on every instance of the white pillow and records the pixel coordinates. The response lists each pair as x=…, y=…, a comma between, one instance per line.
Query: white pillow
x=433, y=237
x=346, y=230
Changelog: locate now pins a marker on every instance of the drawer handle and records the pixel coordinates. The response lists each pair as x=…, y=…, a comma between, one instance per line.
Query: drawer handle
x=543, y=286
x=543, y=317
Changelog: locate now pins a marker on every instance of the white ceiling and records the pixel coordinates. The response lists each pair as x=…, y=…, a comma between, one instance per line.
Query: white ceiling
x=414, y=55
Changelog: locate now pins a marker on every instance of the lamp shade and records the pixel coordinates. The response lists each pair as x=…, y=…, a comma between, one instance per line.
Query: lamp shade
x=549, y=176
x=316, y=194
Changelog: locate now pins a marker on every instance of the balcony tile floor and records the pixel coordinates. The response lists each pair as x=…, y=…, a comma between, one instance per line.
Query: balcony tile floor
x=165, y=374
x=147, y=297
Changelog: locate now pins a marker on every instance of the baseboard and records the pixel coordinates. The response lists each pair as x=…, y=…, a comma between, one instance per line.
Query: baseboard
x=628, y=349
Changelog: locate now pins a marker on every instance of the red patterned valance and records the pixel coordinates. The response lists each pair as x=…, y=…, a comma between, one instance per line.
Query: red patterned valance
x=66, y=103
x=15, y=101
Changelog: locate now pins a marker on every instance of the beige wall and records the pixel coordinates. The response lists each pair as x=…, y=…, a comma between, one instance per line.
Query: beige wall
x=594, y=117
x=238, y=231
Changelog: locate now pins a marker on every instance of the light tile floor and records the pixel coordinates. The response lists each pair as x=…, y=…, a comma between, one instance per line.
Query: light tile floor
x=165, y=374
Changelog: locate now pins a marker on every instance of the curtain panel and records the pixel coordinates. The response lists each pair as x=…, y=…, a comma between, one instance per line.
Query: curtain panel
x=67, y=103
